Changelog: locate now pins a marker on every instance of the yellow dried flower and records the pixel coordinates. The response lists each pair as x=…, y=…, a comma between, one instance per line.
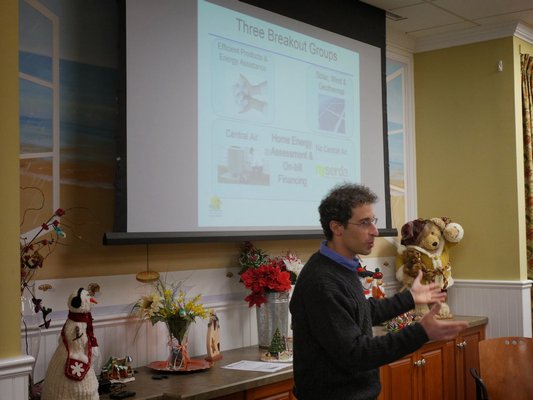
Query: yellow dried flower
x=169, y=301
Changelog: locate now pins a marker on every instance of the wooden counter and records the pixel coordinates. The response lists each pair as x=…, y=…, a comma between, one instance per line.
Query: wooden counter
x=209, y=384
x=217, y=382
x=472, y=322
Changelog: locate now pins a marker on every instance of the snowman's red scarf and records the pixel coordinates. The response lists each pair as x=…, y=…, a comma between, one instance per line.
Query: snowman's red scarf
x=88, y=319
x=77, y=369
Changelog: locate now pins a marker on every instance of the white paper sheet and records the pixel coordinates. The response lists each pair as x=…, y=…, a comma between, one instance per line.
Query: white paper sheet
x=256, y=366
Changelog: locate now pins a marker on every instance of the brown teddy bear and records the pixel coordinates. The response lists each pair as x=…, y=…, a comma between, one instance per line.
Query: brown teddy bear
x=425, y=246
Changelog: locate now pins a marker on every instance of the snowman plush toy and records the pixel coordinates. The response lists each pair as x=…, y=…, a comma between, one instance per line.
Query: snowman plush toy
x=70, y=374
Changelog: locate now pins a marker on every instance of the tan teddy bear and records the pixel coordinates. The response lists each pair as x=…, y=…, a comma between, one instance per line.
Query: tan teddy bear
x=425, y=246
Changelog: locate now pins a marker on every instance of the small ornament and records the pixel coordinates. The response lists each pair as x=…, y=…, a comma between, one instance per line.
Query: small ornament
x=213, y=338
x=401, y=321
x=377, y=285
x=118, y=370
x=277, y=352
x=277, y=345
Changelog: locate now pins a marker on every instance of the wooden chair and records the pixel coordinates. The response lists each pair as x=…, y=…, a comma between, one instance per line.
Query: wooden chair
x=481, y=388
x=506, y=369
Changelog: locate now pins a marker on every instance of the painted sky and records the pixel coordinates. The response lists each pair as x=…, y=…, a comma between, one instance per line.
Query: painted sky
x=88, y=30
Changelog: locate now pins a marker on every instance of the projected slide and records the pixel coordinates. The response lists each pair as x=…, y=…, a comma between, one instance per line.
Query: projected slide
x=278, y=120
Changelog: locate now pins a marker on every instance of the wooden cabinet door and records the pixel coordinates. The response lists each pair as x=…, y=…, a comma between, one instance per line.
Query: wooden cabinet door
x=436, y=371
x=275, y=391
x=428, y=374
x=398, y=379
x=467, y=356
x=234, y=396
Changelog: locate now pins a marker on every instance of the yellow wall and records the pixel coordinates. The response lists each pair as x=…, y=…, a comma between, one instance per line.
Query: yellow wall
x=469, y=152
x=9, y=173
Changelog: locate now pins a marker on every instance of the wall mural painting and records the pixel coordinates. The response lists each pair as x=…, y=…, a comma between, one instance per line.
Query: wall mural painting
x=68, y=107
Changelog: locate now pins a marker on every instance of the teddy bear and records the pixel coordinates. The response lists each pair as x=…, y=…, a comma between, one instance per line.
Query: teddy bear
x=425, y=245
x=70, y=373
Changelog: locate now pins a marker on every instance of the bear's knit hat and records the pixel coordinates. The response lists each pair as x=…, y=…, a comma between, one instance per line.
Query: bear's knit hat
x=412, y=230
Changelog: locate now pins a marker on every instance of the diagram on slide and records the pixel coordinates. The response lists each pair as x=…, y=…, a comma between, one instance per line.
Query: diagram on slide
x=243, y=165
x=331, y=113
x=250, y=97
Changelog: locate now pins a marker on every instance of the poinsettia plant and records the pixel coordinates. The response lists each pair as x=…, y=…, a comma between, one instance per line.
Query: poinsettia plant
x=264, y=274
x=251, y=257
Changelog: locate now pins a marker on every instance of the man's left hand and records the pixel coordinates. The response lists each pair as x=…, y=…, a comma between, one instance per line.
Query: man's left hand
x=426, y=294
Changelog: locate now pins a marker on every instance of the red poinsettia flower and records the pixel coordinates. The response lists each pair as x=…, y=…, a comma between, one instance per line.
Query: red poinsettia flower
x=255, y=299
x=268, y=277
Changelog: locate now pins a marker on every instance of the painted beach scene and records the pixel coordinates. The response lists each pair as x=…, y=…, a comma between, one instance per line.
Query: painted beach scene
x=68, y=82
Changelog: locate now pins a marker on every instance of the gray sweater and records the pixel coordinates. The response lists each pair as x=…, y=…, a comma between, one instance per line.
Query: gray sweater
x=336, y=356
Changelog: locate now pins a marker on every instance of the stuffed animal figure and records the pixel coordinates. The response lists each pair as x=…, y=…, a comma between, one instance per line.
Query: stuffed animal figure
x=70, y=374
x=213, y=338
x=425, y=246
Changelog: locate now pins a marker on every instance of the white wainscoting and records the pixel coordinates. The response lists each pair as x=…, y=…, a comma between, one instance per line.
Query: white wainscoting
x=507, y=304
x=14, y=377
x=119, y=334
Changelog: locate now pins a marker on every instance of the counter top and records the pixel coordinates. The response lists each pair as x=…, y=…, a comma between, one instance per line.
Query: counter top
x=217, y=381
x=472, y=322
x=208, y=384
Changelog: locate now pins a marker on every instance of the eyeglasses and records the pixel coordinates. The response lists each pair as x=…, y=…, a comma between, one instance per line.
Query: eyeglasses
x=365, y=223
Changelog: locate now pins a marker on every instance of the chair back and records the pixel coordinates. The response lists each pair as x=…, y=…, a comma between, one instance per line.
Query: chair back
x=506, y=366
x=481, y=389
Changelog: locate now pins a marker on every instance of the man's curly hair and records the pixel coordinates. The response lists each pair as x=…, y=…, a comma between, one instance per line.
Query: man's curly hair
x=338, y=204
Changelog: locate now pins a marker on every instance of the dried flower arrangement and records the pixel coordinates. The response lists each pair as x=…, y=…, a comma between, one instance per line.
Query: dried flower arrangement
x=34, y=249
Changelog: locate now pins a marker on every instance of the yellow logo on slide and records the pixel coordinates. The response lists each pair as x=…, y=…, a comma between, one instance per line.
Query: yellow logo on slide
x=215, y=203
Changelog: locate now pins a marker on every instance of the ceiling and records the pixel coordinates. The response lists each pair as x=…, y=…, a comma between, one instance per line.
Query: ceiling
x=422, y=19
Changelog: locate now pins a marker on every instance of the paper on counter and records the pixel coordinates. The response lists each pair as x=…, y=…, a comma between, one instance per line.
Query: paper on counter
x=256, y=366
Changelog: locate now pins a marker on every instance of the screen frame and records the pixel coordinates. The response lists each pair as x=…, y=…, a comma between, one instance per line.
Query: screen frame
x=366, y=23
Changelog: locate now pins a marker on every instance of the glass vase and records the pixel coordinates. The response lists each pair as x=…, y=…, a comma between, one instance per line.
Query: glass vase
x=272, y=315
x=178, y=358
